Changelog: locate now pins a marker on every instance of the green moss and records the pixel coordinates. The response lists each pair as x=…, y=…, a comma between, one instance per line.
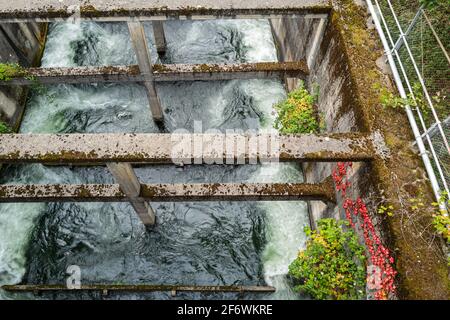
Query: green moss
x=392, y=141
x=207, y=68
x=121, y=12
x=160, y=68
x=52, y=12
x=90, y=11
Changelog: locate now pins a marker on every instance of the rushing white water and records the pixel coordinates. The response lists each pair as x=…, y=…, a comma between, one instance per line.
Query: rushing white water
x=285, y=222
x=17, y=221
x=123, y=108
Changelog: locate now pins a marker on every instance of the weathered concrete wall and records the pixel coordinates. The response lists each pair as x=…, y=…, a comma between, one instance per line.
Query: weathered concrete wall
x=20, y=43
x=346, y=70
x=337, y=105
x=330, y=74
x=293, y=38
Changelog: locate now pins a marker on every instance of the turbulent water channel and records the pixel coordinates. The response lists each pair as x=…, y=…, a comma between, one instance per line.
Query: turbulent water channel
x=194, y=243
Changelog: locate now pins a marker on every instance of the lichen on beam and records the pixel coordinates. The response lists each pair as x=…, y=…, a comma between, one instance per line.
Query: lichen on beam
x=161, y=73
x=171, y=192
x=100, y=10
x=179, y=148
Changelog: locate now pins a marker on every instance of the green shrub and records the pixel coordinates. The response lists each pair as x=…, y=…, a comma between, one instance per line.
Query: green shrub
x=414, y=100
x=441, y=219
x=296, y=114
x=9, y=71
x=333, y=264
x=4, y=128
x=433, y=3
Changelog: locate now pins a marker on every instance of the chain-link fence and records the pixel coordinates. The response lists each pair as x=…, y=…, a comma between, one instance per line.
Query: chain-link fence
x=418, y=41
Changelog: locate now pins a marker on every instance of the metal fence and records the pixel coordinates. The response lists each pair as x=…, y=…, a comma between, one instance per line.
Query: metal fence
x=416, y=41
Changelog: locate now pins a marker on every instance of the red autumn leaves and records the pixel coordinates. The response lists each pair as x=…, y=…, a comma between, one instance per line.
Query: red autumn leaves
x=380, y=256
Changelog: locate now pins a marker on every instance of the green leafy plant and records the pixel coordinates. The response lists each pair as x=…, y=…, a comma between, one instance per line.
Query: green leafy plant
x=333, y=264
x=9, y=71
x=441, y=219
x=4, y=128
x=297, y=113
x=387, y=210
x=417, y=203
x=416, y=99
x=433, y=3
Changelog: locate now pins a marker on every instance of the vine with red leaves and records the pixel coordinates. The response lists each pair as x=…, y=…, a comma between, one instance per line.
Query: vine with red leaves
x=383, y=275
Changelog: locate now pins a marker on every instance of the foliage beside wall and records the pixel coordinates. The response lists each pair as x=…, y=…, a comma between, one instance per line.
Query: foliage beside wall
x=433, y=3
x=297, y=114
x=441, y=219
x=9, y=71
x=381, y=278
x=333, y=264
x=4, y=128
x=416, y=99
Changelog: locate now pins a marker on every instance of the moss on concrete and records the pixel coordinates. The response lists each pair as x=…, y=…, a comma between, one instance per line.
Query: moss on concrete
x=9, y=71
x=87, y=10
x=423, y=272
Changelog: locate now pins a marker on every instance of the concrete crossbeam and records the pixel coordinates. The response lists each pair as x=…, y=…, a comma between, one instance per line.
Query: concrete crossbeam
x=162, y=72
x=183, y=148
x=121, y=10
x=105, y=288
x=159, y=36
x=171, y=192
x=142, y=52
x=130, y=186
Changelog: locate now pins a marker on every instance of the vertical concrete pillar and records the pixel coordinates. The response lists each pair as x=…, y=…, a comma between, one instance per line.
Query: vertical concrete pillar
x=145, y=66
x=129, y=184
x=160, y=38
x=316, y=43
